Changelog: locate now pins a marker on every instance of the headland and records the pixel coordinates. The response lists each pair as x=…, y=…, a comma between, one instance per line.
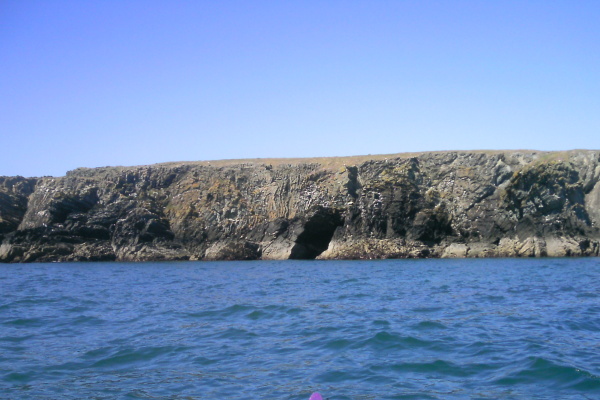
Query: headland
x=439, y=204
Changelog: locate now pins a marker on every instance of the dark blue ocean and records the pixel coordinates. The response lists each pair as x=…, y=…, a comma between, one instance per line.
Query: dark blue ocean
x=396, y=329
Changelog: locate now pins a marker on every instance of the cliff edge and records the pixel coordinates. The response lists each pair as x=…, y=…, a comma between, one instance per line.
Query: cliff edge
x=443, y=204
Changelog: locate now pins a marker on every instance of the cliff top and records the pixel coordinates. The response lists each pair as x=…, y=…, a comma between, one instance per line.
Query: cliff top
x=331, y=163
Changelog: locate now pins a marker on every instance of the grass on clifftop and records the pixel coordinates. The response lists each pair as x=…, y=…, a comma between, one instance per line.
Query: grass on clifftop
x=333, y=163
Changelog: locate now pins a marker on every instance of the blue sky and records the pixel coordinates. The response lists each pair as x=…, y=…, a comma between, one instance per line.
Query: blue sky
x=96, y=83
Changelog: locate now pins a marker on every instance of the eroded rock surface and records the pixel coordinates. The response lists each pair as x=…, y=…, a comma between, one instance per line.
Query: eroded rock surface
x=447, y=204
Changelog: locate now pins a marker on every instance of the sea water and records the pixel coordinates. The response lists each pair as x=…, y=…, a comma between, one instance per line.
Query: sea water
x=393, y=329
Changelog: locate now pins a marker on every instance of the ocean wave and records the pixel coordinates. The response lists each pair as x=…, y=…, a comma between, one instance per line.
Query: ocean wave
x=126, y=357
x=534, y=370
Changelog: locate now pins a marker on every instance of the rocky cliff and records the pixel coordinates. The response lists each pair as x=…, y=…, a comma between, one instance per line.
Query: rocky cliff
x=447, y=204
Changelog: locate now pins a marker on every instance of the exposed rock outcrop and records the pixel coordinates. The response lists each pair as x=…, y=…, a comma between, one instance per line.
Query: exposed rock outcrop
x=447, y=204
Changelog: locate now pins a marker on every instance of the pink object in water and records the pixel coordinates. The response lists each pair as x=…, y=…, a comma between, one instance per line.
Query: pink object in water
x=316, y=396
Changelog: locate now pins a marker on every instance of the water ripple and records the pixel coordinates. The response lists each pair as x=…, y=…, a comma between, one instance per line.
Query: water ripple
x=396, y=329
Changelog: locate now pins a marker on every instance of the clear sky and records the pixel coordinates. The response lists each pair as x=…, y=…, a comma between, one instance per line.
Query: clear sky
x=96, y=83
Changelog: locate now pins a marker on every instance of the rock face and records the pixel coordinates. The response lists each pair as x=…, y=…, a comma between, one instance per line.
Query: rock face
x=448, y=204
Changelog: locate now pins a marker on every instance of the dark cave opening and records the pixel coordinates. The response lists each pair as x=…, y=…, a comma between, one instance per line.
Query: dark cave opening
x=317, y=234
